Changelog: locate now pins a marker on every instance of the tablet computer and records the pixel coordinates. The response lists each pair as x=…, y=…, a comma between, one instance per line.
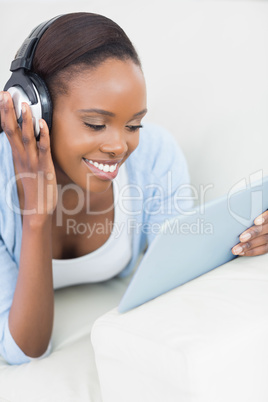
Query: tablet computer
x=193, y=244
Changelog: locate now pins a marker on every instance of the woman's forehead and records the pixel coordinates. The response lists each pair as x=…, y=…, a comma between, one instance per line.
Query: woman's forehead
x=112, y=78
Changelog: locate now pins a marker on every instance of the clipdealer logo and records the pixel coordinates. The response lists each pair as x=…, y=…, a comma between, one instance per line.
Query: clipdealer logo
x=255, y=181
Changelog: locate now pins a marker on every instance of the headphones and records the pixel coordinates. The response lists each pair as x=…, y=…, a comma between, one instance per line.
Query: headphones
x=26, y=86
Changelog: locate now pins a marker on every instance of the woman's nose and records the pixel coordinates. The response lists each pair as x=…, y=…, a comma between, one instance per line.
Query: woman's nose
x=115, y=144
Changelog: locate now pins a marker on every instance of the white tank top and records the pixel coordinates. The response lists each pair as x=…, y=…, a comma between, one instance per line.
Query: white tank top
x=109, y=259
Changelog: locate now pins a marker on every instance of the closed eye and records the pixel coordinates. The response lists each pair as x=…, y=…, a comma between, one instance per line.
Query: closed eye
x=95, y=127
x=134, y=128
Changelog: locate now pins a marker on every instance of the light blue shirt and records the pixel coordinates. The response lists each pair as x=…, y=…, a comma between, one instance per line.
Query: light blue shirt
x=159, y=189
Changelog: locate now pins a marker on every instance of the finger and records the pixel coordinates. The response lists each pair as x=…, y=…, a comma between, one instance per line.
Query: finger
x=250, y=247
x=237, y=249
x=253, y=232
x=256, y=229
x=259, y=250
x=9, y=122
x=44, y=143
x=263, y=218
x=28, y=137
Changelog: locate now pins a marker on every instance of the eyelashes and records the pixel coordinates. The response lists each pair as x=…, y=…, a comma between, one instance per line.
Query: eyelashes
x=134, y=128
x=95, y=127
x=100, y=127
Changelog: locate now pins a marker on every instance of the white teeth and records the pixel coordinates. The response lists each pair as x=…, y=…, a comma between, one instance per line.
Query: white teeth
x=105, y=168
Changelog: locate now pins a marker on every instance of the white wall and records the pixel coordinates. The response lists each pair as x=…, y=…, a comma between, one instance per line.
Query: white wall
x=206, y=66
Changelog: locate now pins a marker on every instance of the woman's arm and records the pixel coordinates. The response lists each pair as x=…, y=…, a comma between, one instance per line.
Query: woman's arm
x=31, y=312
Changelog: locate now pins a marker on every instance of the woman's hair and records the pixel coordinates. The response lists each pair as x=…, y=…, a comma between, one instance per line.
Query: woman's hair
x=76, y=40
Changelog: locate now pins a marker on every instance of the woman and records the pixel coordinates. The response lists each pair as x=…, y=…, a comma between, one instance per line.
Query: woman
x=93, y=190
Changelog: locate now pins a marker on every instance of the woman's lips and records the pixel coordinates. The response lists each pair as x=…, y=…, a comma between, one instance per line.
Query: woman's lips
x=104, y=170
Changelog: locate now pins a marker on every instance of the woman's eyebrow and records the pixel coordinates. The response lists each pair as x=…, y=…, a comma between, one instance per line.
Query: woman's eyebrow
x=106, y=113
x=98, y=111
x=144, y=111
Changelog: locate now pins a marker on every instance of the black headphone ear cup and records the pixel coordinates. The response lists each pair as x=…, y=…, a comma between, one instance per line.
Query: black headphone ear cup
x=44, y=96
x=19, y=96
x=30, y=88
x=27, y=86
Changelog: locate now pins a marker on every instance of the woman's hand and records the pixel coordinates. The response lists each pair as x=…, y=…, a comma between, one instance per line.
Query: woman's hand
x=254, y=241
x=32, y=160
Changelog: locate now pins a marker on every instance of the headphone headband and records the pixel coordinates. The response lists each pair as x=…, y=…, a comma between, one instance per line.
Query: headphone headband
x=25, y=54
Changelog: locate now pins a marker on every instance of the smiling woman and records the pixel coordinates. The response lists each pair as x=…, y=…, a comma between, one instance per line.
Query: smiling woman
x=86, y=184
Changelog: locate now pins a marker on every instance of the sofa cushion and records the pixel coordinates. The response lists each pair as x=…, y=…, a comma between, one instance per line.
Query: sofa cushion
x=205, y=341
x=69, y=373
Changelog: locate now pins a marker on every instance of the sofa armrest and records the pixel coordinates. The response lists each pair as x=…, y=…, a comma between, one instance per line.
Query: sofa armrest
x=205, y=341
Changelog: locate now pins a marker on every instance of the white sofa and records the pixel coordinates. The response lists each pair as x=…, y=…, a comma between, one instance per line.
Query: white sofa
x=69, y=373
x=206, y=70
x=205, y=341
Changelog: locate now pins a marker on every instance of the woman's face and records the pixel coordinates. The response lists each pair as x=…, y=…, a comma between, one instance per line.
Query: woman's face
x=96, y=124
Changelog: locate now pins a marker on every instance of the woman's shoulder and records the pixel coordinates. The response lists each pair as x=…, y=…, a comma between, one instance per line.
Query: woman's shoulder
x=5, y=152
x=6, y=161
x=6, y=169
x=155, y=137
x=157, y=151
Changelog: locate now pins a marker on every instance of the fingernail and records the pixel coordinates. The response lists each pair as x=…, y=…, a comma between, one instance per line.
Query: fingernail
x=41, y=125
x=1, y=96
x=245, y=236
x=259, y=221
x=237, y=250
x=23, y=108
x=5, y=98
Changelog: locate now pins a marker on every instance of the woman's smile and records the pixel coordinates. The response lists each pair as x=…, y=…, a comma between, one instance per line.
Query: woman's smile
x=104, y=170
